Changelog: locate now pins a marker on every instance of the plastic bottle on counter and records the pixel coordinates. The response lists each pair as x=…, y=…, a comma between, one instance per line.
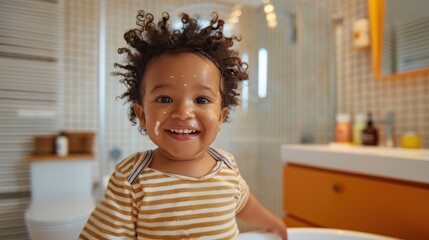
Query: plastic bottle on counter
x=62, y=144
x=370, y=133
x=410, y=140
x=343, y=129
x=358, y=125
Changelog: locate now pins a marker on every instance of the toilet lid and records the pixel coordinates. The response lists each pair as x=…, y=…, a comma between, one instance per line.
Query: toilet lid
x=59, y=211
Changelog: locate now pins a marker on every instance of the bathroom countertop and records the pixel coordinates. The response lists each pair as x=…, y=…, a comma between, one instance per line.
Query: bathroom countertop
x=403, y=164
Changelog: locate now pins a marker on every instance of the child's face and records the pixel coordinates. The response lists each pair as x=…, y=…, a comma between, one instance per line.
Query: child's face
x=182, y=104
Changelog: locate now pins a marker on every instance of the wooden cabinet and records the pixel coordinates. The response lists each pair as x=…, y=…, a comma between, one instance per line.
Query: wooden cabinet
x=324, y=198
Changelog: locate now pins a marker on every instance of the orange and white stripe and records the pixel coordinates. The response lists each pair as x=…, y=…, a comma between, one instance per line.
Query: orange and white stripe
x=144, y=203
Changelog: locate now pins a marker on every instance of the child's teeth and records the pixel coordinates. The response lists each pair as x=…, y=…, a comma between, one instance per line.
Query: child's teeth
x=183, y=131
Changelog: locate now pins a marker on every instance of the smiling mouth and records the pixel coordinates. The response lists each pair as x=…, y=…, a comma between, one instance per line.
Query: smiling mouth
x=183, y=131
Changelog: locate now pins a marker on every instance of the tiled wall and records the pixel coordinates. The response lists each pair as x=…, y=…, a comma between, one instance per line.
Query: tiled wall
x=301, y=94
x=81, y=64
x=359, y=91
x=81, y=57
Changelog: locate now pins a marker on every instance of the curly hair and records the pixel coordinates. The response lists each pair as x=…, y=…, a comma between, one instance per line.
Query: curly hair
x=149, y=41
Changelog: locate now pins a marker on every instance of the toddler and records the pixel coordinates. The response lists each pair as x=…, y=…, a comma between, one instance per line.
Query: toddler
x=181, y=85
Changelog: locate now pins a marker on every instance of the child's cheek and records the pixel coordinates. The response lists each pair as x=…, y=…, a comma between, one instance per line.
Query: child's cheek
x=154, y=120
x=156, y=129
x=149, y=125
x=211, y=118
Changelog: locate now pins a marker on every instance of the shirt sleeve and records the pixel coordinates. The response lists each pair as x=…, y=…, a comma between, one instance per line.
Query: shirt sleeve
x=115, y=216
x=244, y=190
x=244, y=194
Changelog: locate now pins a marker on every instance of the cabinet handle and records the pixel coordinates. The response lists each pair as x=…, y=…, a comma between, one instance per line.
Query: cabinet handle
x=337, y=187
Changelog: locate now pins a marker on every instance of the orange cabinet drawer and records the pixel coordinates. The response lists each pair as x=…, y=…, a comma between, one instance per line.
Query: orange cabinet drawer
x=294, y=223
x=348, y=201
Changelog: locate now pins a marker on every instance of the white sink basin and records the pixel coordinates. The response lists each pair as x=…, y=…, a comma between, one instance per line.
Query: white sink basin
x=314, y=234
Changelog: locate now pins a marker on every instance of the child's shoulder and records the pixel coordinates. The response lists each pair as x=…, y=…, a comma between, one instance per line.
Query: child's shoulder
x=128, y=164
x=223, y=153
x=226, y=157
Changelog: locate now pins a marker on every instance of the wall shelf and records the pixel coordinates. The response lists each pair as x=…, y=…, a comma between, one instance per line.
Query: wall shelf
x=52, y=157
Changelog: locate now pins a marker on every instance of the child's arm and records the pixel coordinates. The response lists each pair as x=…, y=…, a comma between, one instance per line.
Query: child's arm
x=254, y=213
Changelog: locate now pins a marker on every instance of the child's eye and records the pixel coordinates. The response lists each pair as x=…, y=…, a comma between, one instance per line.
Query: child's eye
x=164, y=99
x=202, y=100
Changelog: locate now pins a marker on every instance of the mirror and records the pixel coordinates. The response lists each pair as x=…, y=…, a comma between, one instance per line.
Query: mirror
x=400, y=37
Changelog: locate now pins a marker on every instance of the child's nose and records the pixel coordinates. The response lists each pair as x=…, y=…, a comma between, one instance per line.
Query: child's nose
x=183, y=110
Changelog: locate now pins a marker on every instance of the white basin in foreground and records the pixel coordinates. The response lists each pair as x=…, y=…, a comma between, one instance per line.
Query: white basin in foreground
x=314, y=234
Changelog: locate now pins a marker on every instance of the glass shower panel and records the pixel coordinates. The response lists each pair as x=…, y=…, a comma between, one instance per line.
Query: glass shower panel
x=316, y=75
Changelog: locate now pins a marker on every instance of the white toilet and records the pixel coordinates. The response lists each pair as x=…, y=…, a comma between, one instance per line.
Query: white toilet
x=61, y=198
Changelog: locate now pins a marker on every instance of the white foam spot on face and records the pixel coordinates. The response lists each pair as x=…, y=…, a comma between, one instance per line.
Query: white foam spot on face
x=181, y=75
x=185, y=84
x=171, y=76
x=195, y=75
x=165, y=112
x=156, y=128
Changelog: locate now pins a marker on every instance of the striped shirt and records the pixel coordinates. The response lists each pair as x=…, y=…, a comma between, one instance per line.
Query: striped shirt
x=144, y=203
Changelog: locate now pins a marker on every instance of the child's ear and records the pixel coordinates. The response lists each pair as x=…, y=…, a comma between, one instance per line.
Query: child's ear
x=224, y=113
x=222, y=117
x=138, y=110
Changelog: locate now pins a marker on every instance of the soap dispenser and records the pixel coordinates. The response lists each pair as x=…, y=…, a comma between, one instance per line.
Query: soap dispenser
x=370, y=133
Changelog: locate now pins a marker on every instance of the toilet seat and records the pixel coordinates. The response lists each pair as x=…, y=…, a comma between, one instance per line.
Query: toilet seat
x=59, y=212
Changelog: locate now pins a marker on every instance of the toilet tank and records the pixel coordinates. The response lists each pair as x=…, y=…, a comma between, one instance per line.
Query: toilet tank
x=61, y=178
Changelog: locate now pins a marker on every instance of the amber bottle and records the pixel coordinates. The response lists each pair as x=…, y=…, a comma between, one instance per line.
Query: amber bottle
x=370, y=133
